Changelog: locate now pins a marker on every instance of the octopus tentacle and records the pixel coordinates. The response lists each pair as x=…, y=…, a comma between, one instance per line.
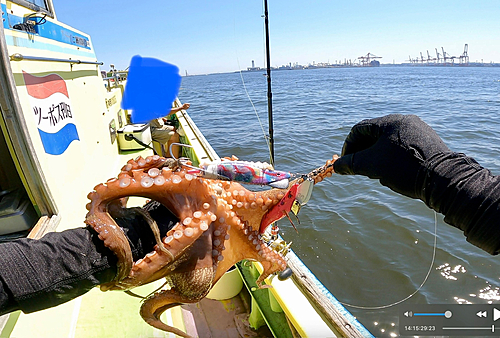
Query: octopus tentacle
x=219, y=225
x=166, y=186
x=193, y=286
x=114, y=238
x=153, y=317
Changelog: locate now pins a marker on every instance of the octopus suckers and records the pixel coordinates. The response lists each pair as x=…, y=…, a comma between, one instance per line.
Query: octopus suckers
x=177, y=234
x=153, y=172
x=124, y=182
x=203, y=226
x=189, y=232
x=159, y=180
x=147, y=182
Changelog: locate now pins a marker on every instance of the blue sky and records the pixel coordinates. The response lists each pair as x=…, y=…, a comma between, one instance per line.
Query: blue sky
x=208, y=36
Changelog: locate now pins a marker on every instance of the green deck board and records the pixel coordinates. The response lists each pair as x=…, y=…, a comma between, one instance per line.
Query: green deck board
x=276, y=321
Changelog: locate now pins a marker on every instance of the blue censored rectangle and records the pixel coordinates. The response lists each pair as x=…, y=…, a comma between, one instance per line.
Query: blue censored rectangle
x=152, y=86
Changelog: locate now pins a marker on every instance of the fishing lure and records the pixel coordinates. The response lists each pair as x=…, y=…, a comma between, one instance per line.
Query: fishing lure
x=240, y=171
x=245, y=172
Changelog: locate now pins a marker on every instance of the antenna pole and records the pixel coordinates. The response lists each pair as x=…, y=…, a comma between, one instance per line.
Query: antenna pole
x=269, y=92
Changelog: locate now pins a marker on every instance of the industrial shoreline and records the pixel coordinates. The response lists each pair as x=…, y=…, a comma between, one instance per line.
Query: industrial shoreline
x=319, y=66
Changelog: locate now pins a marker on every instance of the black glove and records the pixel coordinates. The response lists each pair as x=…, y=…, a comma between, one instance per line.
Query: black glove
x=410, y=158
x=390, y=148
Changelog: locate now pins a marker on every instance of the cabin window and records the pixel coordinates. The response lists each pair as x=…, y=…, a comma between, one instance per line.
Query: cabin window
x=36, y=5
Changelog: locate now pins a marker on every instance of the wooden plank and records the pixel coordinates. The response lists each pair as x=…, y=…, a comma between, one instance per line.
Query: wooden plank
x=322, y=303
x=45, y=224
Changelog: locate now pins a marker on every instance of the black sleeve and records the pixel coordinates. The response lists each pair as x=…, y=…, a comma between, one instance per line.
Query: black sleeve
x=466, y=193
x=60, y=266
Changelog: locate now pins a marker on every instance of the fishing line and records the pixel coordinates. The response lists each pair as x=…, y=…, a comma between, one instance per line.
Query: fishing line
x=417, y=290
x=255, y=110
x=266, y=138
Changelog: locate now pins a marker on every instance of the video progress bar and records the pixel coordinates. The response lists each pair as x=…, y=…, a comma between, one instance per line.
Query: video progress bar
x=429, y=314
x=492, y=328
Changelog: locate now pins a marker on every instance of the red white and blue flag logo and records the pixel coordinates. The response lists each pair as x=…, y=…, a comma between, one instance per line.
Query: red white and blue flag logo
x=52, y=110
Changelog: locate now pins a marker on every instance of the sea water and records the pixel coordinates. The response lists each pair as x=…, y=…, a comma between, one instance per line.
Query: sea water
x=369, y=246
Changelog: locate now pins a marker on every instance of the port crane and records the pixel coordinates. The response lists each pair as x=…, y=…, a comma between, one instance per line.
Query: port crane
x=429, y=58
x=443, y=58
x=437, y=54
x=447, y=56
x=464, y=58
x=412, y=60
x=421, y=58
x=366, y=59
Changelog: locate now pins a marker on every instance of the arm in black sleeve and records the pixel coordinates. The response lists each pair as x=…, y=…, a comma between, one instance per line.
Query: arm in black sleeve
x=60, y=266
x=407, y=156
x=467, y=194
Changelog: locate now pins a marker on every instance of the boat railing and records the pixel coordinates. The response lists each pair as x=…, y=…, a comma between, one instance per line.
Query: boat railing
x=115, y=78
x=20, y=57
x=192, y=135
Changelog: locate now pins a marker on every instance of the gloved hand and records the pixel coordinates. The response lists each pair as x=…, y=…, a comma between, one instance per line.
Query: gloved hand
x=392, y=149
x=410, y=158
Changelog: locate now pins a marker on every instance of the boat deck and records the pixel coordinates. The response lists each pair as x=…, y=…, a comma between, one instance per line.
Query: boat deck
x=227, y=318
x=116, y=314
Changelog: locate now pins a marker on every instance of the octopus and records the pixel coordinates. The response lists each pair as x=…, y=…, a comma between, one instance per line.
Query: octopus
x=219, y=225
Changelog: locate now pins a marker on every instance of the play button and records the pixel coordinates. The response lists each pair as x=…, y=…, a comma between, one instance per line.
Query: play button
x=496, y=314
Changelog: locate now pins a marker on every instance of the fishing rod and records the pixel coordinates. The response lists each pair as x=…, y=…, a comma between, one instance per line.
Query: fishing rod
x=269, y=92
